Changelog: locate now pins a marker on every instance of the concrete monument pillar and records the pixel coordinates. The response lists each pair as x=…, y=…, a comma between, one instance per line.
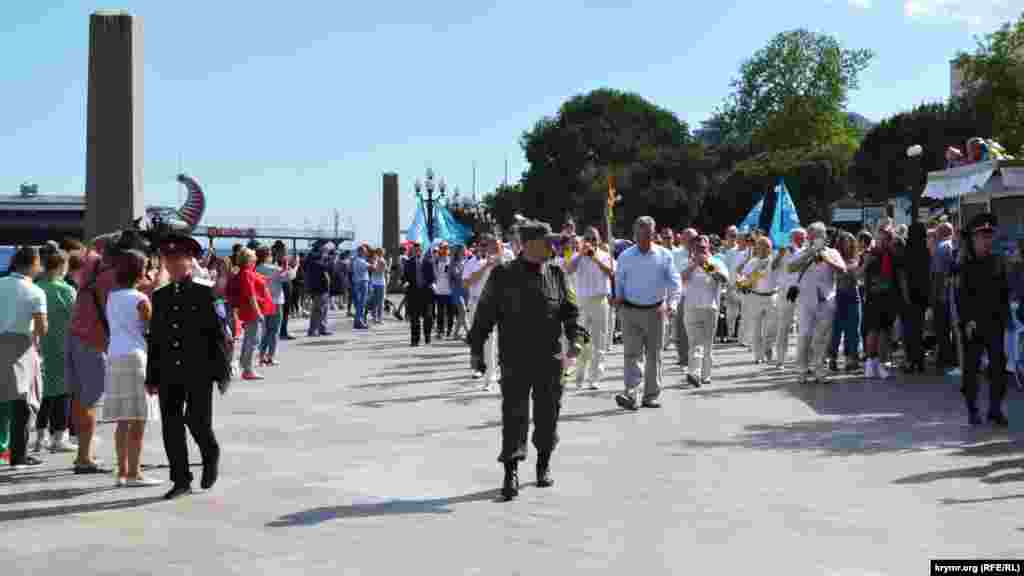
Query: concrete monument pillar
x=389, y=238
x=113, y=181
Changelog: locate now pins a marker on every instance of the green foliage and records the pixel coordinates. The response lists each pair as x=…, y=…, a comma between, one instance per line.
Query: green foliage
x=881, y=168
x=503, y=204
x=994, y=78
x=647, y=148
x=799, y=73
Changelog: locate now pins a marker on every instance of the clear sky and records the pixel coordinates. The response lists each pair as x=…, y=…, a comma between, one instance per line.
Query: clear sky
x=288, y=111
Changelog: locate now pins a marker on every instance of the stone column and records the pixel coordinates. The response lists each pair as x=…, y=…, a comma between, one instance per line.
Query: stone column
x=113, y=182
x=389, y=223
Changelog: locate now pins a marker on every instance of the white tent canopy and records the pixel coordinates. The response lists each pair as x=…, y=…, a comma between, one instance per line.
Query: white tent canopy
x=964, y=180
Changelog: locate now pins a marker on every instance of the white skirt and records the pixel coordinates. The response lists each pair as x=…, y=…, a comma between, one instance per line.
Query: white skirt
x=125, y=395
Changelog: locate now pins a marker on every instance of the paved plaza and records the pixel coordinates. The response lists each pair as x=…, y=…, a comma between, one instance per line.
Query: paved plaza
x=362, y=456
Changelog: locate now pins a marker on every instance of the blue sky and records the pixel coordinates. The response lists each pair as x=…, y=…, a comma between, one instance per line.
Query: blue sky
x=286, y=112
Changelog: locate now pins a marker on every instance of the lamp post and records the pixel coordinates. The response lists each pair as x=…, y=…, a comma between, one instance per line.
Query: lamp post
x=915, y=151
x=430, y=199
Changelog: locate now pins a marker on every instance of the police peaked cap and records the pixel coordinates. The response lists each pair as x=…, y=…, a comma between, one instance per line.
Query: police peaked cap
x=534, y=230
x=981, y=222
x=180, y=244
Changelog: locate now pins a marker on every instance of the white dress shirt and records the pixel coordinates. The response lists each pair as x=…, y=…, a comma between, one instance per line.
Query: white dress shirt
x=783, y=278
x=702, y=290
x=766, y=284
x=591, y=281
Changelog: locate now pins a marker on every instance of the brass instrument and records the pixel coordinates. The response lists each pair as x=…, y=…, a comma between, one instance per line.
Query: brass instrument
x=747, y=284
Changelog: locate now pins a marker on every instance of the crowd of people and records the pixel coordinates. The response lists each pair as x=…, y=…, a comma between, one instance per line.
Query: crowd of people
x=83, y=324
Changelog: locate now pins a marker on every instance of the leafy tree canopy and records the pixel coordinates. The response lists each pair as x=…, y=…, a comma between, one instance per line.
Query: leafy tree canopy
x=994, y=78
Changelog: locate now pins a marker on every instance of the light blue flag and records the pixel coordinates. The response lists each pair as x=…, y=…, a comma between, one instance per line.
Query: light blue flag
x=785, y=219
x=753, y=218
x=448, y=228
x=418, y=231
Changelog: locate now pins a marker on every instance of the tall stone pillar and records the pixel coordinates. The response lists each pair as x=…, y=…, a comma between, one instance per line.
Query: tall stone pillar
x=389, y=238
x=389, y=223
x=113, y=181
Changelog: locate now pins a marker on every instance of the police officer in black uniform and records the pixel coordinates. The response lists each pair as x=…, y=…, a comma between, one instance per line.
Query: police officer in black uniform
x=531, y=303
x=187, y=353
x=984, y=306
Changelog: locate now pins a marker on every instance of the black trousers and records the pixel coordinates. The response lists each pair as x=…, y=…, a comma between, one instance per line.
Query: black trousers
x=53, y=413
x=913, y=331
x=990, y=340
x=20, y=413
x=420, y=309
x=542, y=380
x=287, y=312
x=445, y=313
x=191, y=405
x=944, y=353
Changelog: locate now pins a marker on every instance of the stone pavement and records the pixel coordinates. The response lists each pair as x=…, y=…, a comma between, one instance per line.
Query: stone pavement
x=362, y=456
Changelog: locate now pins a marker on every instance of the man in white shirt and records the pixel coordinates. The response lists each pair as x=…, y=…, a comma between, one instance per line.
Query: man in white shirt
x=704, y=277
x=817, y=301
x=681, y=260
x=732, y=256
x=786, y=307
x=647, y=291
x=491, y=252
x=593, y=270
x=758, y=284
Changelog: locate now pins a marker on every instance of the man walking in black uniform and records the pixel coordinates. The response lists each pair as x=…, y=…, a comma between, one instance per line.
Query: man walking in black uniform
x=187, y=353
x=419, y=281
x=984, y=314
x=531, y=303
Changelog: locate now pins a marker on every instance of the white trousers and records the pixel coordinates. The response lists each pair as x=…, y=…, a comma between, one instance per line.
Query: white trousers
x=700, y=332
x=761, y=316
x=593, y=317
x=732, y=310
x=490, y=347
x=783, y=326
x=815, y=334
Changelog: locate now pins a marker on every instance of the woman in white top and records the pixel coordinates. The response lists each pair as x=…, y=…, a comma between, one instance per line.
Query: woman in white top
x=445, y=317
x=758, y=282
x=128, y=312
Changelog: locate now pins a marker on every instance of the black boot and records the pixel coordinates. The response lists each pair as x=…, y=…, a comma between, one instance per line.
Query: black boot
x=997, y=418
x=544, y=471
x=973, y=418
x=211, y=470
x=510, y=489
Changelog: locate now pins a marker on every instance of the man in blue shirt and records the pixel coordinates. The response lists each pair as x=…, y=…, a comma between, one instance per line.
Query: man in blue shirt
x=647, y=290
x=360, y=287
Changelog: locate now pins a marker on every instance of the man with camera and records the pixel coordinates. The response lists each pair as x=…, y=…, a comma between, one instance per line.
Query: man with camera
x=593, y=270
x=815, y=295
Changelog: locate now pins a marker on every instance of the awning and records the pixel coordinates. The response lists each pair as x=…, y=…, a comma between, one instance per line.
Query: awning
x=959, y=181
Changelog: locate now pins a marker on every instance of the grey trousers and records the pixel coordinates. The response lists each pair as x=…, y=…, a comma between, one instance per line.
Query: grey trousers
x=642, y=335
x=682, y=340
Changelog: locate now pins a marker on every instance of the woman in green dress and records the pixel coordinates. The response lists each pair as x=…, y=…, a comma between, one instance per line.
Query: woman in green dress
x=52, y=421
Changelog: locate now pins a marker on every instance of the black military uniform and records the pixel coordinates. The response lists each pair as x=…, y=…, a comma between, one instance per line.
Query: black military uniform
x=531, y=304
x=984, y=306
x=187, y=353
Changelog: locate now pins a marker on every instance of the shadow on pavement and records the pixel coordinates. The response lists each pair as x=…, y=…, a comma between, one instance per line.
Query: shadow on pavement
x=386, y=384
x=580, y=417
x=407, y=399
x=991, y=473
x=323, y=514
x=12, y=515
x=308, y=343
x=955, y=501
x=51, y=494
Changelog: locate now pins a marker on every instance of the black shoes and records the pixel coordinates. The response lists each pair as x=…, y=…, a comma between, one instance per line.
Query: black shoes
x=210, y=472
x=544, y=471
x=626, y=401
x=510, y=488
x=178, y=490
x=998, y=419
x=973, y=418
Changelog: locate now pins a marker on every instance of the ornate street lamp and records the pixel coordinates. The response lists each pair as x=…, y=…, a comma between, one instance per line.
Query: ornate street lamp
x=430, y=199
x=915, y=151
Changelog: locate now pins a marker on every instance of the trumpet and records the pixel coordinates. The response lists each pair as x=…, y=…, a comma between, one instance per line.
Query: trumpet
x=708, y=267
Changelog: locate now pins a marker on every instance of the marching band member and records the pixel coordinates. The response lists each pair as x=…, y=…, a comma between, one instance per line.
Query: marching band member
x=785, y=280
x=757, y=282
x=815, y=292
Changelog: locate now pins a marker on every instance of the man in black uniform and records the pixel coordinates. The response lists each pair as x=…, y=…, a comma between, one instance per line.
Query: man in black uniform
x=187, y=353
x=531, y=303
x=419, y=278
x=984, y=314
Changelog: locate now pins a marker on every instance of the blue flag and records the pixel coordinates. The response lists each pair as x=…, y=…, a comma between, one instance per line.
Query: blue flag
x=753, y=218
x=418, y=231
x=785, y=219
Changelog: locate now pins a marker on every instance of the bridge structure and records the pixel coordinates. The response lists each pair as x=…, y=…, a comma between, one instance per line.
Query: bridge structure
x=39, y=218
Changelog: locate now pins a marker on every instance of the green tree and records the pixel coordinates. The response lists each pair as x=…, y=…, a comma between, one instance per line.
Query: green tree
x=570, y=155
x=994, y=80
x=503, y=204
x=881, y=169
x=800, y=79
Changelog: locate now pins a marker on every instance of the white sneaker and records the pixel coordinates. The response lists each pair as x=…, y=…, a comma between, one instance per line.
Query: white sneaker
x=60, y=443
x=142, y=482
x=591, y=386
x=880, y=372
x=478, y=375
